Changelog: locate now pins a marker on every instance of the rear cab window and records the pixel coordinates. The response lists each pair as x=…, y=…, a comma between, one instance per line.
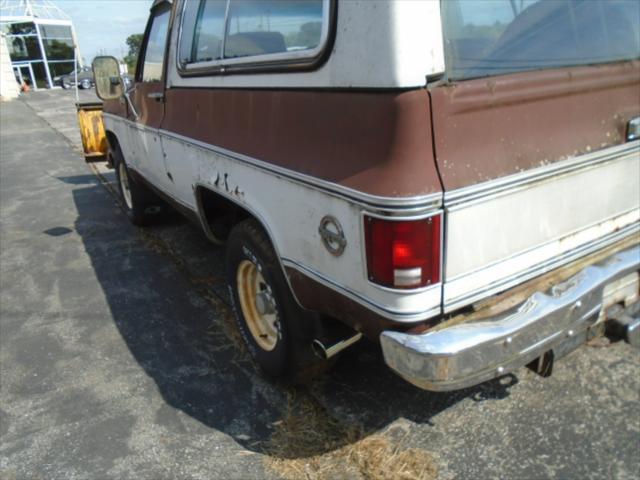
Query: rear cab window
x=222, y=35
x=494, y=37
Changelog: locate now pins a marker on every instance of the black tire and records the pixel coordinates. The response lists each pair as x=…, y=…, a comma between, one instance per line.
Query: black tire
x=292, y=357
x=66, y=85
x=85, y=84
x=139, y=197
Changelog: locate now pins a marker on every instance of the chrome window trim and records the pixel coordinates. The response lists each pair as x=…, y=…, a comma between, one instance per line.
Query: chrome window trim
x=223, y=44
x=464, y=197
x=255, y=63
x=382, y=205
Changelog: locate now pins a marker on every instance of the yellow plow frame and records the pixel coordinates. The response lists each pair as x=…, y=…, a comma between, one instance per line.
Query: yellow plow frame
x=94, y=140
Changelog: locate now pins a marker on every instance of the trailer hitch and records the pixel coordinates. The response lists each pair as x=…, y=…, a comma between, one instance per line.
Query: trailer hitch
x=624, y=323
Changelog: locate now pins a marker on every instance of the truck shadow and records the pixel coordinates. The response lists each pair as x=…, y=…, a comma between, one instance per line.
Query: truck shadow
x=179, y=328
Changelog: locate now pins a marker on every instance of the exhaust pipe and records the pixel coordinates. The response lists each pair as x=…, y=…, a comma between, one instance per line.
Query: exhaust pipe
x=327, y=349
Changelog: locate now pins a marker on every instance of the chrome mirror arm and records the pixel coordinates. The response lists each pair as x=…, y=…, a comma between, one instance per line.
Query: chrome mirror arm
x=126, y=92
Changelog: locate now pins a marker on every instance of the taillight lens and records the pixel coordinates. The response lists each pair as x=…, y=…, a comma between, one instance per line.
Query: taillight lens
x=403, y=254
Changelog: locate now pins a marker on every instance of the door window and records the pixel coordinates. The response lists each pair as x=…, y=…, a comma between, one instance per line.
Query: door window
x=156, y=43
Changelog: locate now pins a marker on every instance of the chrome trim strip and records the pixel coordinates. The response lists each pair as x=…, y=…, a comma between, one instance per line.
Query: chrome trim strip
x=391, y=205
x=414, y=204
x=467, y=354
x=487, y=190
x=410, y=317
x=539, y=269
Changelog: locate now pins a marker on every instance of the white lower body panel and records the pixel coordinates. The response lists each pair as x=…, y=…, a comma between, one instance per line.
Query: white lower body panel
x=495, y=241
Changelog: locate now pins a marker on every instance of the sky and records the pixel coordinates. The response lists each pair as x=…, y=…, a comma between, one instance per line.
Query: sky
x=102, y=26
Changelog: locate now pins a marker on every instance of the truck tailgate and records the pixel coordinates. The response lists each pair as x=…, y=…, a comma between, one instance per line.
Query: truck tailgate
x=536, y=173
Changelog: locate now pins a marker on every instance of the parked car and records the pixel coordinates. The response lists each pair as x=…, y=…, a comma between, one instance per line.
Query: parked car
x=457, y=181
x=85, y=79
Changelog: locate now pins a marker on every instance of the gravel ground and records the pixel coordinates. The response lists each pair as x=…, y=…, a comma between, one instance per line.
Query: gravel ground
x=119, y=359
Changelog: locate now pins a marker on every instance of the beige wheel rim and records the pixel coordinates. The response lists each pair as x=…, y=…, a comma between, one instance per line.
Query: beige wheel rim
x=258, y=305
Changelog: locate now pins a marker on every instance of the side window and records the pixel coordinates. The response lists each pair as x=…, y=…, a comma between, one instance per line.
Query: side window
x=223, y=32
x=209, y=31
x=156, y=43
x=258, y=27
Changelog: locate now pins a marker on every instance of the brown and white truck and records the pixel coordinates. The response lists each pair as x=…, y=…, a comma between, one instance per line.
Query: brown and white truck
x=458, y=180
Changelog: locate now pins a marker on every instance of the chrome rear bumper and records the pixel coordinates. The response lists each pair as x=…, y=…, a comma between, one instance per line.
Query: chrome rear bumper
x=470, y=353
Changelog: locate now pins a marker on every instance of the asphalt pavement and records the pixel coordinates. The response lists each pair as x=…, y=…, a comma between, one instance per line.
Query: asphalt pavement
x=119, y=358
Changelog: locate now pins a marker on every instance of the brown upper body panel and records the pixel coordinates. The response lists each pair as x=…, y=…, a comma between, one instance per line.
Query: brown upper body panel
x=491, y=127
x=375, y=142
x=115, y=106
x=149, y=109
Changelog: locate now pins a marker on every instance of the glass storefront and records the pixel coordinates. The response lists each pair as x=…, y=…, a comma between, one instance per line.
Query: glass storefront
x=58, y=69
x=24, y=40
x=28, y=28
x=59, y=49
x=56, y=31
x=40, y=74
x=24, y=48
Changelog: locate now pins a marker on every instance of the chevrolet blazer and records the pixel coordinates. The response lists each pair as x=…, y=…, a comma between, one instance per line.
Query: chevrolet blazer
x=458, y=181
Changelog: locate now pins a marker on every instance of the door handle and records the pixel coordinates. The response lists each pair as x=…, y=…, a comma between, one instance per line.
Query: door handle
x=157, y=96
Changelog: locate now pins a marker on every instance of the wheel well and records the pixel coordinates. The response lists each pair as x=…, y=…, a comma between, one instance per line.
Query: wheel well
x=219, y=214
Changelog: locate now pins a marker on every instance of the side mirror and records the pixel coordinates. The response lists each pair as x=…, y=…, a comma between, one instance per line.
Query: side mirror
x=106, y=73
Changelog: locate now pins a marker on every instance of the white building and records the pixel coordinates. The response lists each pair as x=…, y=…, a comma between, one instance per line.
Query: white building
x=8, y=86
x=41, y=40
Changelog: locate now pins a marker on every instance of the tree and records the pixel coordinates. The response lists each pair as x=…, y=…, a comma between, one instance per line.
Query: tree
x=133, y=42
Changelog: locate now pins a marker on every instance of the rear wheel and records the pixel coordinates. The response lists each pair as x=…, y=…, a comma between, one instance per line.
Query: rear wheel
x=277, y=331
x=85, y=84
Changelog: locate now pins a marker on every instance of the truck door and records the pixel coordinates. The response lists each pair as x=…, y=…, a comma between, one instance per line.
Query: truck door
x=148, y=98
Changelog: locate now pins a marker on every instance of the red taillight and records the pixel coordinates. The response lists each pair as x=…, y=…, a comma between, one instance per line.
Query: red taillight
x=403, y=254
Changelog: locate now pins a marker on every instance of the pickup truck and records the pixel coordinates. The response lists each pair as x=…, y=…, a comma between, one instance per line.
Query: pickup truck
x=458, y=181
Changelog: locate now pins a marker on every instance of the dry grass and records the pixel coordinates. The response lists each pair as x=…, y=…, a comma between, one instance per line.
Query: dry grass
x=310, y=444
